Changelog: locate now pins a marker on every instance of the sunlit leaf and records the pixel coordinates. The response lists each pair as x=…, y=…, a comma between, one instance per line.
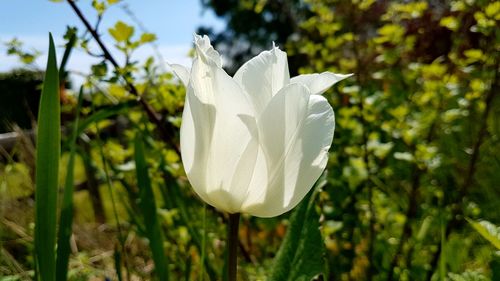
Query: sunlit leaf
x=100, y=7
x=488, y=230
x=147, y=37
x=121, y=32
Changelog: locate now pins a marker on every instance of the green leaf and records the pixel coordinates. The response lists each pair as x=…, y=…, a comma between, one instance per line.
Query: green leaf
x=71, y=37
x=474, y=55
x=105, y=113
x=467, y=276
x=100, y=69
x=488, y=230
x=14, y=47
x=27, y=58
x=118, y=261
x=100, y=7
x=148, y=208
x=66, y=219
x=179, y=202
x=495, y=266
x=301, y=256
x=147, y=37
x=47, y=170
x=450, y=22
x=121, y=31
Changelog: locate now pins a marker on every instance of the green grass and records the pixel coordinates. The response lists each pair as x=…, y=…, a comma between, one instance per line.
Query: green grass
x=148, y=208
x=47, y=171
x=66, y=219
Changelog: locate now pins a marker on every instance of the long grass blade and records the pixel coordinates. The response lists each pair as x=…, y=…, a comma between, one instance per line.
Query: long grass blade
x=148, y=208
x=47, y=170
x=109, y=184
x=442, y=261
x=176, y=196
x=118, y=261
x=66, y=219
x=65, y=58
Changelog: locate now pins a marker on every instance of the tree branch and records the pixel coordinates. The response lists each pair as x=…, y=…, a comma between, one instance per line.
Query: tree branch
x=165, y=128
x=457, y=211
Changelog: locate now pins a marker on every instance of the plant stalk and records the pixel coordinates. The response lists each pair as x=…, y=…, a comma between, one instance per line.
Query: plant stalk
x=232, y=251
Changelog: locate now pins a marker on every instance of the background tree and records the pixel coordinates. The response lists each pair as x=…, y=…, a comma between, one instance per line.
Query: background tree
x=20, y=95
x=416, y=134
x=252, y=26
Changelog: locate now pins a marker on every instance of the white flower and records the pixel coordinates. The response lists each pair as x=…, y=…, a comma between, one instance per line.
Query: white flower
x=257, y=142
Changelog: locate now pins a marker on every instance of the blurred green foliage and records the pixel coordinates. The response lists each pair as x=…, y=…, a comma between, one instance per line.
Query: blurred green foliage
x=15, y=48
x=416, y=147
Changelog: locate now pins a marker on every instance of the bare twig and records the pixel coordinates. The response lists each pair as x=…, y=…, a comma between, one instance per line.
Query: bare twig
x=366, y=183
x=165, y=128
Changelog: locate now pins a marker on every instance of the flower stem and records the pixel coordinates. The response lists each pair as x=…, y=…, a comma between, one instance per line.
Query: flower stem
x=232, y=251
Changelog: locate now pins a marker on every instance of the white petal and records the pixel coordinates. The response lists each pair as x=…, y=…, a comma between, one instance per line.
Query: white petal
x=263, y=76
x=195, y=135
x=318, y=83
x=182, y=73
x=304, y=123
x=205, y=51
x=229, y=142
x=279, y=126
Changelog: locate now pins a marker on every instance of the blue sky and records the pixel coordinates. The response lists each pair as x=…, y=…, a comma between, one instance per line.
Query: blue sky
x=173, y=21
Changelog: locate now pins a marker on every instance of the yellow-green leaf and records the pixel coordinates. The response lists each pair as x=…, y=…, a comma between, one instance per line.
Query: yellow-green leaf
x=493, y=10
x=121, y=32
x=450, y=22
x=473, y=55
x=100, y=7
x=147, y=37
x=488, y=230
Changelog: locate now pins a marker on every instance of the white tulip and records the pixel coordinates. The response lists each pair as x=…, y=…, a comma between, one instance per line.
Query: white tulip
x=257, y=142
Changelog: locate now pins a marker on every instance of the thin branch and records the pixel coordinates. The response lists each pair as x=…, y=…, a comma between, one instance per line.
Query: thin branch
x=370, y=272
x=369, y=185
x=410, y=215
x=457, y=211
x=165, y=128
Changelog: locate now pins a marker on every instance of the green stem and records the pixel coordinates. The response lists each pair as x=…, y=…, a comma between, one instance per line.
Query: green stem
x=232, y=238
